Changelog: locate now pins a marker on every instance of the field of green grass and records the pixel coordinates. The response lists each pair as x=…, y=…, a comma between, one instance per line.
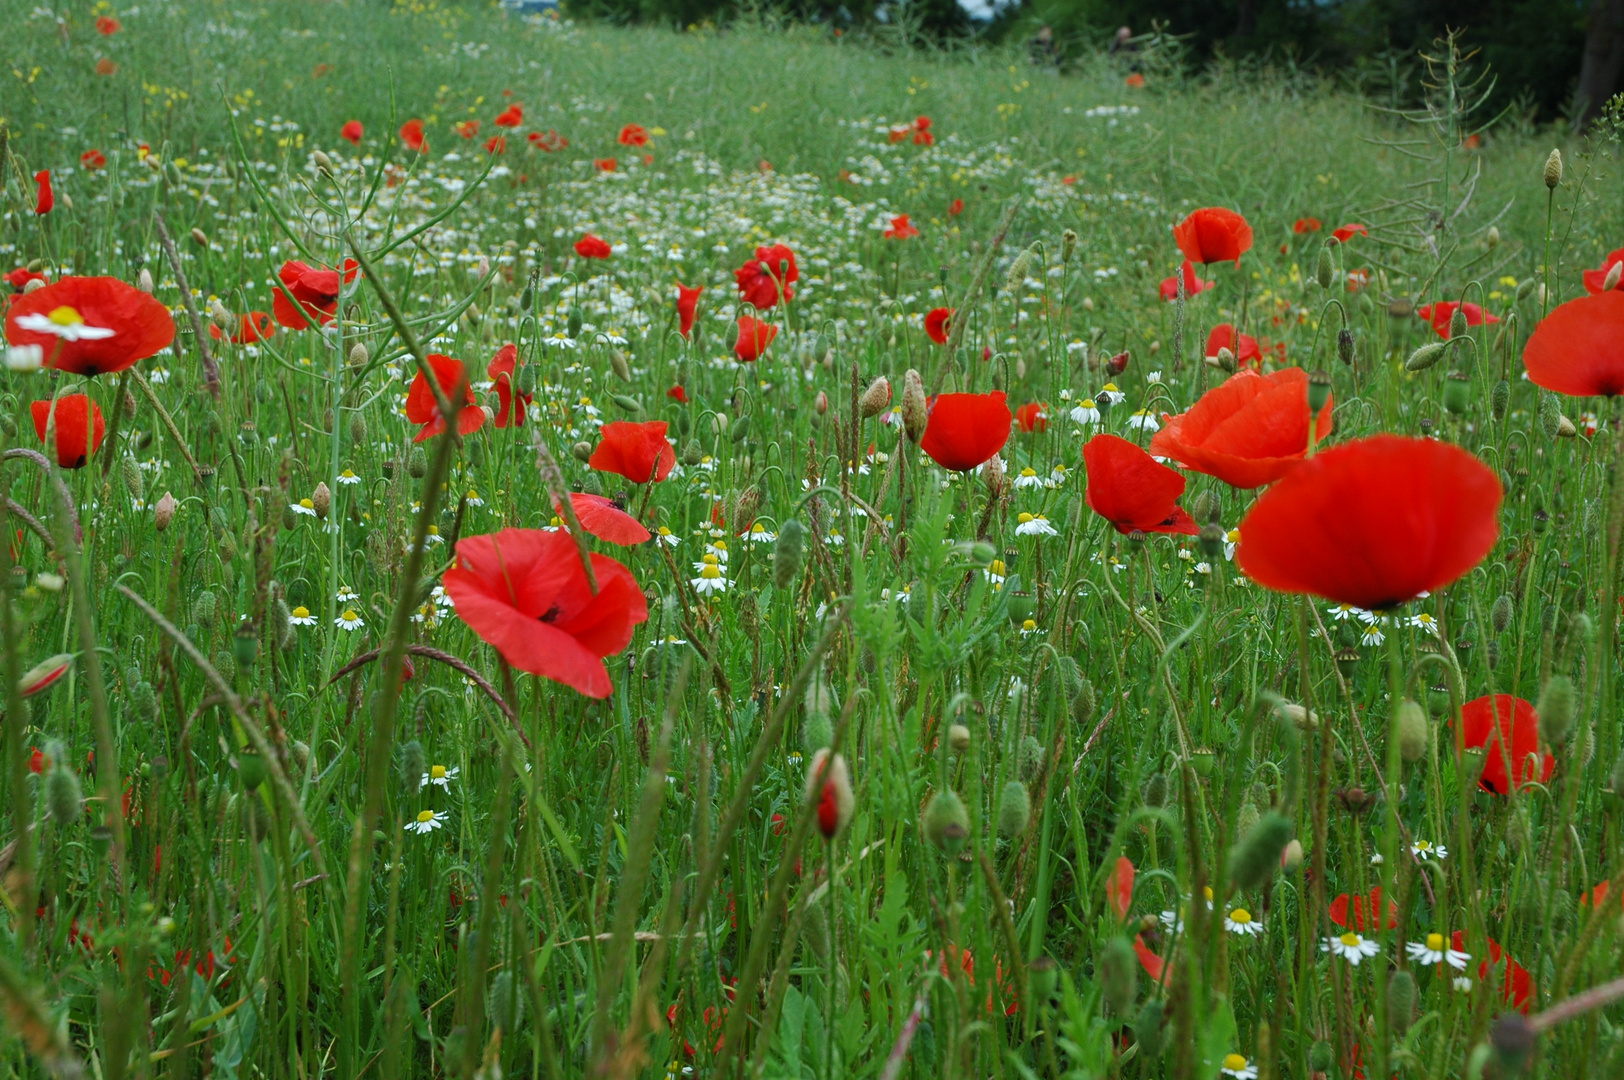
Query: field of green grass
x=809, y=735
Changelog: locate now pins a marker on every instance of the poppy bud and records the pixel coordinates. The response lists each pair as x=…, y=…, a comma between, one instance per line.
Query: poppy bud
x=787, y=553
x=1082, y=705
x=875, y=398
x=220, y=316
x=574, y=322
x=1400, y=1002
x=821, y=403
x=1292, y=857
x=1457, y=393
x=1014, y=810
x=282, y=625
x=1425, y=357
x=1325, y=271
x=1550, y=415
x=1150, y=1029
x=816, y=732
x=1555, y=710
x=1610, y=282
x=1344, y=346
x=1565, y=428
x=1511, y=1036
x=417, y=463
x=1255, y=857
x=1519, y=830
x=1029, y=758
x=1068, y=245
x=1320, y=1057
x=993, y=473
x=946, y=823
x=1500, y=397
x=1457, y=323
x=413, y=765
x=1410, y=729
x=1212, y=539
x=1207, y=506
x=172, y=175
x=915, y=409
x=62, y=796
x=164, y=512
x=739, y=430
x=1246, y=820
x=1018, y=268
x=358, y=428
x=1319, y=390
x=1553, y=169
x=130, y=473
x=321, y=499
x=1224, y=359
x=958, y=738
x=1118, y=972
x=1492, y=238
x=692, y=454
x=828, y=782
x=1118, y=363
x=618, y=364
x=1156, y=791
x=44, y=674
x=628, y=403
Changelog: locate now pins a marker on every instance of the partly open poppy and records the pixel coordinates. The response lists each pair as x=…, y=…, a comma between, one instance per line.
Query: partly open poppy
x=351, y=132
x=466, y=128
x=1193, y=285
x=547, y=141
x=252, y=327
x=938, y=324
x=687, y=307
x=510, y=117
x=315, y=288
x=1245, y=353
x=496, y=144
x=411, y=133
x=1032, y=417
x=1247, y=431
x=19, y=278
x=605, y=164
x=1506, y=729
x=604, y=519
x=639, y=452
x=763, y=279
x=1441, y=314
x=955, y=208
x=964, y=430
x=107, y=26
x=1578, y=349
x=1131, y=490
x=503, y=370
x=901, y=228
x=1306, y=225
x=79, y=428
x=633, y=135
x=593, y=247
x=90, y=325
x=1344, y=233
x=1374, y=522
x=525, y=592
x=754, y=337
x=1213, y=234
x=421, y=408
x=45, y=200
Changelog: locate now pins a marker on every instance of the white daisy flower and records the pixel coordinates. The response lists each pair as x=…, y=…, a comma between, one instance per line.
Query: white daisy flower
x=348, y=478
x=834, y=538
x=346, y=595
x=1109, y=395
x=1232, y=540
x=349, y=620
x=433, y=537
x=426, y=822
x=1435, y=950
x=995, y=571
x=1342, y=612
x=24, y=358
x=1463, y=983
x=760, y=535
x=1057, y=476
x=665, y=536
x=1354, y=948
x=474, y=499
x=1172, y=922
x=1240, y=921
x=303, y=506
x=1085, y=412
x=1426, y=849
x=1236, y=1065
x=1030, y=627
x=1144, y=420
x=717, y=548
x=1372, y=635
x=1028, y=478
x=300, y=616
x=65, y=323
x=1424, y=621
x=1034, y=525
x=439, y=776
x=710, y=580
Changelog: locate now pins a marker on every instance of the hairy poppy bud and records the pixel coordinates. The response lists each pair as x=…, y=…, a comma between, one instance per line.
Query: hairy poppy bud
x=1118, y=971
x=993, y=473
x=1457, y=393
x=875, y=398
x=1018, y=269
x=220, y=316
x=1425, y=357
x=1491, y=239
x=164, y=512
x=618, y=364
x=1344, y=346
x=1556, y=710
x=821, y=403
x=1224, y=359
x=946, y=823
x=1457, y=323
x=1118, y=363
x=958, y=738
x=1068, y=245
x=1150, y=1029
x=1292, y=857
x=1082, y=705
x=1500, y=396
x=358, y=355
x=321, y=499
x=573, y=323
x=1553, y=169
x=204, y=609
x=62, y=796
x=1254, y=859
x=130, y=472
x=1511, y=1036
x=417, y=463
x=787, y=553
x=829, y=784
x=692, y=454
x=44, y=674
x=816, y=732
x=172, y=174
x=1519, y=830
x=1400, y=1002
x=1029, y=757
x=1550, y=415
x=1610, y=282
x=1325, y=270
x=143, y=281
x=1410, y=729
x=1014, y=809
x=1207, y=506
x=1500, y=614
x=1155, y=794
x=1246, y=820
x=1321, y=1056
x=915, y=409
x=1319, y=390
x=413, y=765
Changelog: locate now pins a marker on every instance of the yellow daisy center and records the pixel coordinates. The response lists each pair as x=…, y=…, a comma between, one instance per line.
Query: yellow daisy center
x=1110, y=387
x=1240, y=915
x=720, y=545
x=348, y=474
x=997, y=566
x=1029, y=624
x=437, y=772
x=1087, y=403
x=1350, y=939
x=1024, y=518
x=426, y=816
x=434, y=530
x=710, y=571
x=1435, y=942
x=350, y=616
x=710, y=558
x=1234, y=1062
x=664, y=531
x=1029, y=471
x=66, y=316
x=301, y=612
x=307, y=504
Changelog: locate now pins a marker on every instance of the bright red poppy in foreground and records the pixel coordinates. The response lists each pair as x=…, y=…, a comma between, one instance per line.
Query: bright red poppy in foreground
x=421, y=408
x=603, y=519
x=1578, y=349
x=1213, y=234
x=351, y=132
x=503, y=369
x=687, y=307
x=1223, y=337
x=90, y=325
x=252, y=327
x=77, y=420
x=411, y=133
x=639, y=452
x=315, y=288
x=1193, y=285
x=1247, y=431
x=1442, y=313
x=754, y=337
x=965, y=430
x=1032, y=416
x=901, y=228
x=1131, y=490
x=1374, y=522
x=525, y=593
x=1506, y=728
x=938, y=324
x=593, y=247
x=762, y=278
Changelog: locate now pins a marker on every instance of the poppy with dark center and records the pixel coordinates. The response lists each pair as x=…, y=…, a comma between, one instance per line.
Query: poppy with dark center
x=1366, y=914
x=1506, y=729
x=45, y=201
x=1213, y=234
x=938, y=324
x=315, y=292
x=503, y=370
x=1032, y=417
x=593, y=247
x=687, y=307
x=1578, y=349
x=901, y=228
x=1441, y=314
x=411, y=133
x=525, y=593
x=1193, y=285
x=1373, y=523
x=964, y=430
x=90, y=325
x=510, y=117
x=1306, y=225
x=252, y=327
x=754, y=337
x=351, y=132
x=92, y=160
x=633, y=135
x=1516, y=988
x=1344, y=233
x=766, y=279
x=1247, y=431
x=421, y=408
x=1131, y=490
x=79, y=428
x=639, y=452
x=1246, y=353
x=606, y=519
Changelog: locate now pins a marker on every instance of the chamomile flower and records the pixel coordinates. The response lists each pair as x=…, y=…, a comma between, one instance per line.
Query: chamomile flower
x=1352, y=947
x=348, y=478
x=710, y=579
x=760, y=535
x=1232, y=540
x=1057, y=476
x=474, y=499
x=665, y=536
x=1109, y=395
x=834, y=538
x=1034, y=525
x=349, y=620
x=1372, y=635
x=995, y=571
x=708, y=559
x=1240, y=921
x=1424, y=621
x=300, y=616
x=1085, y=412
x=1435, y=950
x=433, y=536
x=1237, y=1066
x=1030, y=627
x=1028, y=479
x=1426, y=849
x=717, y=548
x=439, y=776
x=303, y=506
x=1143, y=420
x=346, y=595
x=1343, y=612
x=426, y=822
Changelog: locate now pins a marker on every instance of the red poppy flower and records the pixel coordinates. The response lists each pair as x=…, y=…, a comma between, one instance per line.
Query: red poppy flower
x=502, y=369
x=964, y=430
x=592, y=247
x=1135, y=81
x=253, y=327
x=1365, y=916
x=754, y=337
x=1595, y=279
x=604, y=519
x=90, y=325
x=1306, y=225
x=678, y=394
x=1578, y=349
x=1247, y=431
x=764, y=277
x=107, y=26
x=1213, y=234
x=421, y=408
x=897, y=134
x=1358, y=279
x=687, y=306
x=524, y=592
x=1490, y=724
x=496, y=144
x=547, y=141
x=104, y=66
x=315, y=288
x=411, y=133
x=19, y=278
x=1345, y=233
x=466, y=128
x=1032, y=417
x=1193, y=286
x=1442, y=313
x=901, y=228
x=1517, y=988
x=1374, y=522
x=639, y=452
x=45, y=201
x=79, y=428
x=510, y=117
x=633, y=135
x=351, y=132
x=92, y=160
x=924, y=138
x=1119, y=886
x=38, y=762
x=938, y=324
x=1131, y=490
x=604, y=164
x=1223, y=337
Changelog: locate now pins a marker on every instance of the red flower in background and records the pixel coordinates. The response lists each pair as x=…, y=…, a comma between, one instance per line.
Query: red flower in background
x=1119, y=886
x=1306, y=225
x=466, y=128
x=633, y=135
x=1246, y=353
x=938, y=324
x=678, y=394
x=1193, y=286
x=1516, y=988
x=1135, y=81
x=421, y=408
x=1365, y=916
x=1595, y=279
x=503, y=370
x=104, y=66
x=19, y=278
x=510, y=117
x=639, y=452
x=607, y=521
x=955, y=208
x=496, y=144
x=1344, y=233
x=45, y=200
x=1133, y=491
x=351, y=132
x=79, y=428
x=547, y=141
x=687, y=307
x=965, y=430
x=1506, y=729
x=1578, y=349
x=762, y=278
x=1247, y=431
x=411, y=133
x=1442, y=313
x=525, y=593
x=901, y=228
x=1032, y=416
x=1374, y=522
x=107, y=26
x=605, y=164
x=92, y=160
x=90, y=325
x=253, y=327
x=315, y=288
x=1213, y=234
x=754, y=337
x=592, y=247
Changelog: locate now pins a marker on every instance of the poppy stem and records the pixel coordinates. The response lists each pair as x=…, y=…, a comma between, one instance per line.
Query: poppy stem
x=1609, y=592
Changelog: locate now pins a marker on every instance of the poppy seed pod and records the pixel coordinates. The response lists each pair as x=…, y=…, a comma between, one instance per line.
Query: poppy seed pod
x=321, y=499
x=1319, y=390
x=829, y=784
x=875, y=398
x=1425, y=356
x=1014, y=809
x=1118, y=972
x=164, y=512
x=946, y=823
x=1556, y=710
x=1410, y=729
x=1552, y=173
x=62, y=795
x=958, y=738
x=1255, y=857
x=787, y=553
x=915, y=409
x=1325, y=270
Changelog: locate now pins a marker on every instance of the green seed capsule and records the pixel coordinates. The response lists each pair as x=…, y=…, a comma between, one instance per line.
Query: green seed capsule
x=1500, y=399
x=946, y=823
x=1556, y=709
